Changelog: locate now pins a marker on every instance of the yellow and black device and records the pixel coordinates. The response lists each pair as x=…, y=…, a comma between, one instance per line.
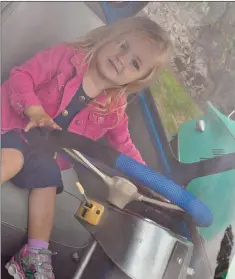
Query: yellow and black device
x=90, y=211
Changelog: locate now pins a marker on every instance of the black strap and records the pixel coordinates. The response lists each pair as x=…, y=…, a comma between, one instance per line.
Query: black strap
x=63, y=139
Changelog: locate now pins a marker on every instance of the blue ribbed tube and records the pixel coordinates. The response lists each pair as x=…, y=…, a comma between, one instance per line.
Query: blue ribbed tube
x=200, y=213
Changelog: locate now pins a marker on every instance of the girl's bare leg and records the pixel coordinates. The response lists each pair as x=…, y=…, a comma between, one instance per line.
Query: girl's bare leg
x=41, y=213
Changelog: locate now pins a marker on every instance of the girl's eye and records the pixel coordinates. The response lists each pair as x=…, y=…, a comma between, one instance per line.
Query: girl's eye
x=135, y=64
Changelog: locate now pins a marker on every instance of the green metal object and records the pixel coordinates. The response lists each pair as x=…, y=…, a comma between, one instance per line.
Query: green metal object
x=217, y=191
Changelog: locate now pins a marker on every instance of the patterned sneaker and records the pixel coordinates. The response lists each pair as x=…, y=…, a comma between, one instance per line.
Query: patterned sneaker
x=28, y=265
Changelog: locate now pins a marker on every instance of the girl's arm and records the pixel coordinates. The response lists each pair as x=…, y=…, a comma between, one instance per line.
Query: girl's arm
x=119, y=138
x=24, y=79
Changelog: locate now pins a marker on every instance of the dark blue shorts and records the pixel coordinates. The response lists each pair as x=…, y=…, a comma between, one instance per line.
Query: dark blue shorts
x=40, y=169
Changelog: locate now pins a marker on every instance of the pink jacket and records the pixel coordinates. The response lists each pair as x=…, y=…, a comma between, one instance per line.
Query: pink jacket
x=48, y=80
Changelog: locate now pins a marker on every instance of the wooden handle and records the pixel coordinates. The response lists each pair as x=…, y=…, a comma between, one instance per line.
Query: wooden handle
x=80, y=188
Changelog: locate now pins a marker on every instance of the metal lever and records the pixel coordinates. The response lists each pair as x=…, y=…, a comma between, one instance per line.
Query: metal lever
x=121, y=190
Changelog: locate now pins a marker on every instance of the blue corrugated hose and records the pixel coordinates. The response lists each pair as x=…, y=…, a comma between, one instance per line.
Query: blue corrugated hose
x=200, y=213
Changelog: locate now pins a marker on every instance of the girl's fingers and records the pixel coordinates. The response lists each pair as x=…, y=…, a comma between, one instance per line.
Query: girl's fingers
x=56, y=127
x=50, y=123
x=45, y=122
x=42, y=123
x=30, y=125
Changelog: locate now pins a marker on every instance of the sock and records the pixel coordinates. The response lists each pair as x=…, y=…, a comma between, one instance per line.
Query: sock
x=35, y=245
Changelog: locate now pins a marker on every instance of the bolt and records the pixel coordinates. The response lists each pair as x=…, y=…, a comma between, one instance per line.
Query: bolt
x=75, y=257
x=200, y=125
x=179, y=260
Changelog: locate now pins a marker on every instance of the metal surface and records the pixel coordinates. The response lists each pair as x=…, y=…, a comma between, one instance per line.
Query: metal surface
x=139, y=247
x=216, y=142
x=200, y=262
x=176, y=262
x=85, y=260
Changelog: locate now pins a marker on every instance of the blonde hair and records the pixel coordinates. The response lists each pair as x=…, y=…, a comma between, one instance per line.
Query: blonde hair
x=100, y=36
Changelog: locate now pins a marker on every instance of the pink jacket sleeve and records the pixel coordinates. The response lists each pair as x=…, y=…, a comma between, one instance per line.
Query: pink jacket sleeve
x=23, y=79
x=119, y=138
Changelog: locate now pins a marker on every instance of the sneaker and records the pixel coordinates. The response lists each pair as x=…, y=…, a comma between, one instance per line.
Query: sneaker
x=29, y=265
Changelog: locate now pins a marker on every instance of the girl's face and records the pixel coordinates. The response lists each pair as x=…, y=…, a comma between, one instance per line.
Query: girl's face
x=130, y=59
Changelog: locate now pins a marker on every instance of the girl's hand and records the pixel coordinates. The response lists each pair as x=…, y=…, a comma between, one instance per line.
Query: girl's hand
x=39, y=118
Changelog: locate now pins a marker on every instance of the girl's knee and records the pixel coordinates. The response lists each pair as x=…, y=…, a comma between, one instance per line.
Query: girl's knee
x=12, y=161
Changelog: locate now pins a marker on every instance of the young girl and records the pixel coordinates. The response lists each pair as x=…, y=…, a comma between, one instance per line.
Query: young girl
x=81, y=88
